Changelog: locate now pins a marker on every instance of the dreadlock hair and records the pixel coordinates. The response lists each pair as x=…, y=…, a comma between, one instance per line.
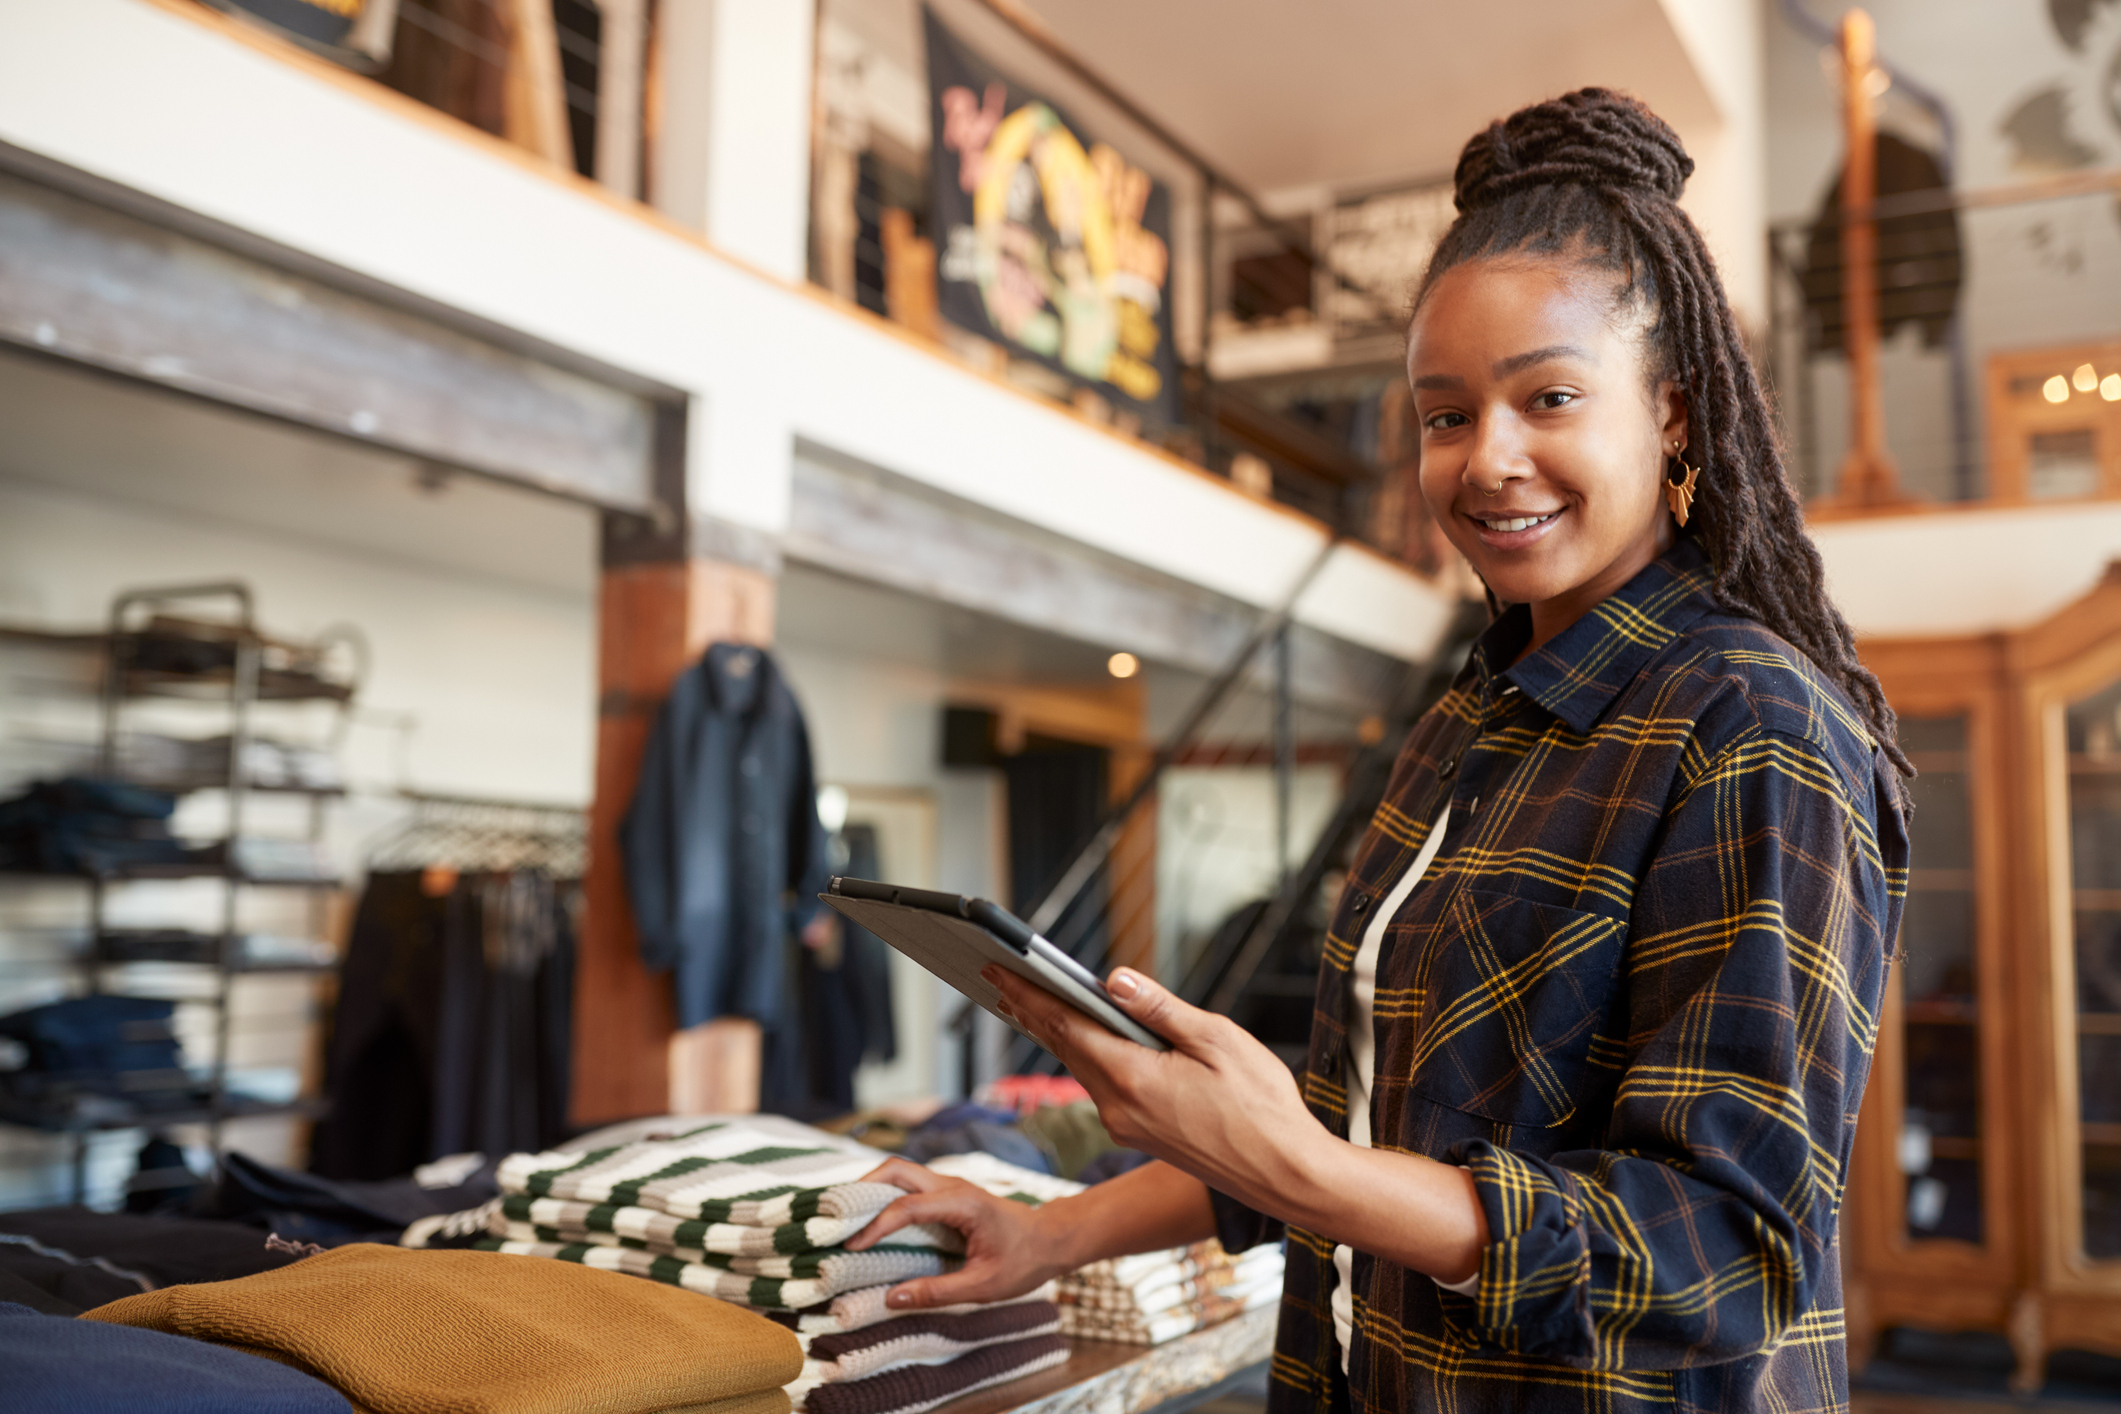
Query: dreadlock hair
x=1593, y=178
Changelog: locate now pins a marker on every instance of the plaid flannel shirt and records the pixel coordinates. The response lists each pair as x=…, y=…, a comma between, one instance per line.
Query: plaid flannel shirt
x=1635, y=997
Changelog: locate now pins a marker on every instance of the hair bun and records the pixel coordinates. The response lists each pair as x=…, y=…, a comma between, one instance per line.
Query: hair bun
x=1593, y=137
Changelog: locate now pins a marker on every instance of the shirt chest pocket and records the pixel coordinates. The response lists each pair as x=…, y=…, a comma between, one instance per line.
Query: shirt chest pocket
x=1515, y=992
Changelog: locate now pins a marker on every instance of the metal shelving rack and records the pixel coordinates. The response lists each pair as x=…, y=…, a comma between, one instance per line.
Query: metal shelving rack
x=234, y=665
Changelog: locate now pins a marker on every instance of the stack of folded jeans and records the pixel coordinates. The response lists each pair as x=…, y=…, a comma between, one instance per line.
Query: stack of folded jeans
x=80, y=825
x=93, y=1059
x=759, y=1216
x=1145, y=1299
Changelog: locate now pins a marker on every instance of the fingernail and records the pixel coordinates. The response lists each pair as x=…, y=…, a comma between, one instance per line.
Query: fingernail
x=1005, y=1010
x=1124, y=984
x=898, y=1298
x=991, y=974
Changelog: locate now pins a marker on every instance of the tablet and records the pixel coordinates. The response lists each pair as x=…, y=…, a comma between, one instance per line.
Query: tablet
x=954, y=937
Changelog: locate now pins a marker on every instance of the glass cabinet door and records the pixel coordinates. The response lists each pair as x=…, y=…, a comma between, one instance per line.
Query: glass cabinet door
x=1940, y=1133
x=2093, y=734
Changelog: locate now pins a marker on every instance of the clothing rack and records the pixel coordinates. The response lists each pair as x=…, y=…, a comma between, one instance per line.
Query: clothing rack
x=474, y=834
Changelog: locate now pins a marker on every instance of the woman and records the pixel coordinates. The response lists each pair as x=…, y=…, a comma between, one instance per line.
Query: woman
x=1598, y=1000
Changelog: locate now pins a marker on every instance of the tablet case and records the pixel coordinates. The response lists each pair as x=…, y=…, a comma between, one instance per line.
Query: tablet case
x=955, y=937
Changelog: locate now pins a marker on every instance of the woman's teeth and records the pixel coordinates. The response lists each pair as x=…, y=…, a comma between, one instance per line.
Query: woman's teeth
x=1520, y=522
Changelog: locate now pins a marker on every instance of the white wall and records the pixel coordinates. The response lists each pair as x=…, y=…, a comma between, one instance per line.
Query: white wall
x=733, y=156
x=1966, y=571
x=1215, y=836
x=1727, y=196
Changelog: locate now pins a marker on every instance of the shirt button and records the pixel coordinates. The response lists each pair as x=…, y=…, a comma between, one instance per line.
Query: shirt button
x=1362, y=902
x=1448, y=769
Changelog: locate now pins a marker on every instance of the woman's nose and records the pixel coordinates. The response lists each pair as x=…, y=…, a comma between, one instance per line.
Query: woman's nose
x=1497, y=456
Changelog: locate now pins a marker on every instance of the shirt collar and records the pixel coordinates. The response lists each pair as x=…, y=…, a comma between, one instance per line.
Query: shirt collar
x=1578, y=673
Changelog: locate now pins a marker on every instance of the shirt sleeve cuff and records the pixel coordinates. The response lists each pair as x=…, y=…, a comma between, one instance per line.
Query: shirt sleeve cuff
x=1531, y=1288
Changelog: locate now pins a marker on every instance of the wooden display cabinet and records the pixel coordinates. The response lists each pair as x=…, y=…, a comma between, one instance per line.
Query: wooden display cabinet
x=1985, y=1189
x=2054, y=423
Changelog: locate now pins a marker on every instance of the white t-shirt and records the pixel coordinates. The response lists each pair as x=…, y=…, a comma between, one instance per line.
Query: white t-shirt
x=1362, y=1052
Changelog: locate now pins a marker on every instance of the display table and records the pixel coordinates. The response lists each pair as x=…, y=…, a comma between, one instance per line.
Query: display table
x=1102, y=1377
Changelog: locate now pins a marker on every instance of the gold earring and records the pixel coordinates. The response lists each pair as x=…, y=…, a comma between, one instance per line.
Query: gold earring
x=1679, y=495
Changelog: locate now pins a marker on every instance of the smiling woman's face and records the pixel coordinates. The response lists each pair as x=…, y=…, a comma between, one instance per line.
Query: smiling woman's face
x=1543, y=444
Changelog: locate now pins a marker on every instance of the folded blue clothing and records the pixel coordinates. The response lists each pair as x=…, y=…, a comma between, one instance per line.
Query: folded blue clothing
x=58, y=1365
x=331, y=1212
x=969, y=1128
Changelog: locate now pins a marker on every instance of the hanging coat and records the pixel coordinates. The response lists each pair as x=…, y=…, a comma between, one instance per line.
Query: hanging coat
x=723, y=829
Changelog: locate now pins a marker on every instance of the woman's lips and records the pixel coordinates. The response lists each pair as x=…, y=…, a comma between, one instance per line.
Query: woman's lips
x=1534, y=528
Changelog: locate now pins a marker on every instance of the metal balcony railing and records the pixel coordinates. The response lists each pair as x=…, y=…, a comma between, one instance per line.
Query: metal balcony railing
x=1999, y=316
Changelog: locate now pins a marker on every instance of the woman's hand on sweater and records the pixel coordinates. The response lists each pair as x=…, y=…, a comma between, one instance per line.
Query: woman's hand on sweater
x=1219, y=1104
x=1006, y=1253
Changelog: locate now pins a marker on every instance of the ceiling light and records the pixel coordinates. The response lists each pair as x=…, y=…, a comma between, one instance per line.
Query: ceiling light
x=1123, y=665
x=2055, y=389
x=2085, y=378
x=2110, y=387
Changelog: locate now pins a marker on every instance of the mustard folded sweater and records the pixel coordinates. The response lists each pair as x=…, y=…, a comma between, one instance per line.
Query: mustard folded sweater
x=454, y=1332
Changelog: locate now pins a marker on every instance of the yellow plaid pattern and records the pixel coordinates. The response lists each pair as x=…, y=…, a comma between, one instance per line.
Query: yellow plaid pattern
x=1636, y=997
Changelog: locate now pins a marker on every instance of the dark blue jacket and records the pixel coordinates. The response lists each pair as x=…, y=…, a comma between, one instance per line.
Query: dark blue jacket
x=723, y=829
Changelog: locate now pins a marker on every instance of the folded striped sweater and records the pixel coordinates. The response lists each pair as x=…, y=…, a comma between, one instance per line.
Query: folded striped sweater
x=722, y=1171
x=784, y=1283
x=859, y=1310
x=929, y=1338
x=566, y=1220
x=910, y=1389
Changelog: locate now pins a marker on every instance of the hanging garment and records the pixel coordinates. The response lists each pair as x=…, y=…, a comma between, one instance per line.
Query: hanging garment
x=846, y=997
x=723, y=826
x=453, y=1023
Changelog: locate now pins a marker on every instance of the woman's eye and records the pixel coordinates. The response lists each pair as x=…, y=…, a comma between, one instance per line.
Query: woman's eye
x=1445, y=421
x=1553, y=399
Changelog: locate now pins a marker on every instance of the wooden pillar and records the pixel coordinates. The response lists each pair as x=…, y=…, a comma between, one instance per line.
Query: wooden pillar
x=1868, y=476
x=659, y=606
x=535, y=101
